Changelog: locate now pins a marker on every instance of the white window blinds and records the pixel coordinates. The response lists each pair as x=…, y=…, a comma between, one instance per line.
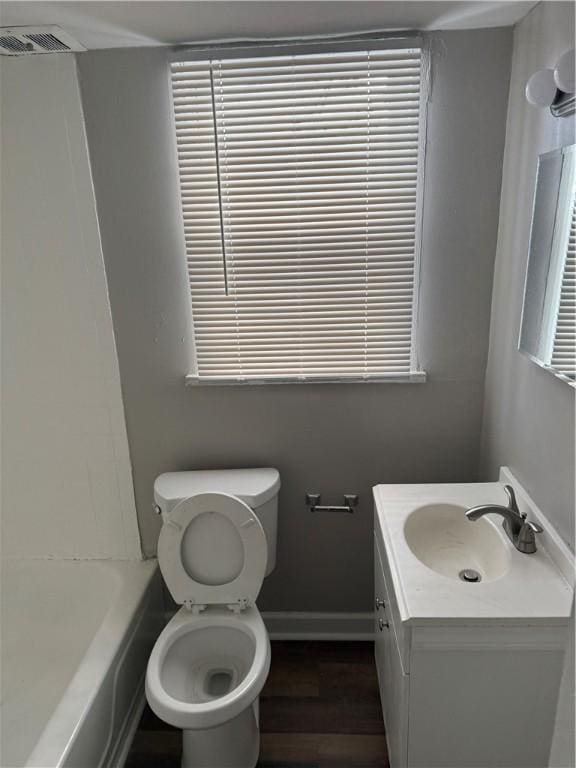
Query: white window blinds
x=564, y=350
x=299, y=180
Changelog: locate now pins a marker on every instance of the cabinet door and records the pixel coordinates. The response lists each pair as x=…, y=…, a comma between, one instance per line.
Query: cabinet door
x=391, y=679
x=381, y=635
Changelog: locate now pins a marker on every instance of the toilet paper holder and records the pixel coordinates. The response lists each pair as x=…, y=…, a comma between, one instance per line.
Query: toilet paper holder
x=313, y=501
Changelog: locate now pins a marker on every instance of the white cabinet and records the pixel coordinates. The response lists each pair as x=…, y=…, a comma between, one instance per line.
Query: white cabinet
x=464, y=694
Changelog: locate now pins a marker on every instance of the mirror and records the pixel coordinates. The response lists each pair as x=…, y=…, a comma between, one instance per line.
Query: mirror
x=548, y=330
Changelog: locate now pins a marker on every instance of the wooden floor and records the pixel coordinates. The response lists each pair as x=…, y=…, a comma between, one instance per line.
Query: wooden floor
x=319, y=709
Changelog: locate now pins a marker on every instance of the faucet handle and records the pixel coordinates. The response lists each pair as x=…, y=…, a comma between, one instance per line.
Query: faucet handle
x=533, y=526
x=526, y=541
x=512, y=503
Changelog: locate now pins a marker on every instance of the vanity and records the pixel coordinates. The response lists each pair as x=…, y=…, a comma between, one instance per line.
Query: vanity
x=470, y=634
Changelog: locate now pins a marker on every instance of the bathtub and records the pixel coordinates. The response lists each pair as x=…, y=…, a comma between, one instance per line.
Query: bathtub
x=76, y=636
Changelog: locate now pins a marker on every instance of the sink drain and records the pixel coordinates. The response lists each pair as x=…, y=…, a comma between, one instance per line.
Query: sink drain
x=469, y=574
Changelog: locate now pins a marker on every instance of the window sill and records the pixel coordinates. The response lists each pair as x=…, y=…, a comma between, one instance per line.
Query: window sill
x=415, y=377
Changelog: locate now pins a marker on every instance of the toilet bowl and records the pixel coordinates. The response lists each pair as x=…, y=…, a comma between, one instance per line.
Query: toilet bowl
x=206, y=668
x=204, y=675
x=210, y=662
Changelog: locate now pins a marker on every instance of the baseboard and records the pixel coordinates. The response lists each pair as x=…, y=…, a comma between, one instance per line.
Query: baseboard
x=295, y=625
x=304, y=625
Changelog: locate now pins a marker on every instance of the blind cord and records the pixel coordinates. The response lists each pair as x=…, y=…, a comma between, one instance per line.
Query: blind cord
x=218, y=181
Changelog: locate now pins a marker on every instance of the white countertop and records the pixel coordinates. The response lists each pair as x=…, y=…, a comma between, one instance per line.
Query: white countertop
x=532, y=591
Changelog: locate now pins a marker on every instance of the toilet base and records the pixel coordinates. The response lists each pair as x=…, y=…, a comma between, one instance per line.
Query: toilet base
x=234, y=744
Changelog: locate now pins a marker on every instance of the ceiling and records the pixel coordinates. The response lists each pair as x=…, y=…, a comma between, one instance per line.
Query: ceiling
x=112, y=24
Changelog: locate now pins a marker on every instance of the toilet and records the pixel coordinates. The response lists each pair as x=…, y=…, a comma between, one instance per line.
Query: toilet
x=209, y=664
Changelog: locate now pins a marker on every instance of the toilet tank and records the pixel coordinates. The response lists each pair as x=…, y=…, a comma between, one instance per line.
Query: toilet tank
x=256, y=487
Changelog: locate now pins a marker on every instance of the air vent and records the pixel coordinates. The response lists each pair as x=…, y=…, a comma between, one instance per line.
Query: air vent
x=23, y=41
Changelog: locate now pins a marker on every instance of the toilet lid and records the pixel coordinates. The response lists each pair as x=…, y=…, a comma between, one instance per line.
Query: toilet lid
x=212, y=551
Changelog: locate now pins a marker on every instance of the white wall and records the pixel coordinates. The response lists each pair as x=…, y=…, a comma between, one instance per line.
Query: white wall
x=67, y=484
x=529, y=414
x=333, y=439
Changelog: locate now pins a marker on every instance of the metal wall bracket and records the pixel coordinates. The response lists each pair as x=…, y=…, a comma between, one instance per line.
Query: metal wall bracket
x=350, y=503
x=564, y=104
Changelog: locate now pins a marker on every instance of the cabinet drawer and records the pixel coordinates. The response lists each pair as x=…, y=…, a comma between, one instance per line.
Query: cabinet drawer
x=400, y=631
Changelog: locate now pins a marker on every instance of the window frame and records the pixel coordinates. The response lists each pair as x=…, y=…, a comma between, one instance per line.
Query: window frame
x=378, y=41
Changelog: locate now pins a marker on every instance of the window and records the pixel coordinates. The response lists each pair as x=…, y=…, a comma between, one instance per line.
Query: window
x=300, y=179
x=564, y=346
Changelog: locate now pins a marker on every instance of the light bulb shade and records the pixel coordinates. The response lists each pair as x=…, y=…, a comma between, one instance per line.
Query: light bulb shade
x=541, y=88
x=564, y=72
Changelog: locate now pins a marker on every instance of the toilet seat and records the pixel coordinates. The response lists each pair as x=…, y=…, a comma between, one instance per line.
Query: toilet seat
x=213, y=551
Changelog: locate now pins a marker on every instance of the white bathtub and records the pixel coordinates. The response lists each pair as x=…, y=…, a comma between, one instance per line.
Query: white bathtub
x=76, y=636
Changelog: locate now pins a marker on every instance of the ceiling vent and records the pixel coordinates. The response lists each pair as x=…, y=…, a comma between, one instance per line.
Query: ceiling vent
x=24, y=41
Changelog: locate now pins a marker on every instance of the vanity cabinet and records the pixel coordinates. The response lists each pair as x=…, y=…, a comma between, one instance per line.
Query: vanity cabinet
x=463, y=694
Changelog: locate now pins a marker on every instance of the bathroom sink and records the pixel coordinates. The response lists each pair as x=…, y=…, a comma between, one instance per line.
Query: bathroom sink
x=427, y=541
x=455, y=659
x=443, y=539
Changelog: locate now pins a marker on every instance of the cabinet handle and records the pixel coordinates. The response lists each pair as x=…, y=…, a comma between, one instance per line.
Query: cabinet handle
x=382, y=624
x=380, y=603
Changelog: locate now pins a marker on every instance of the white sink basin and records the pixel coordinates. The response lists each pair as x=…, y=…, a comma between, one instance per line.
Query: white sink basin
x=441, y=537
x=427, y=540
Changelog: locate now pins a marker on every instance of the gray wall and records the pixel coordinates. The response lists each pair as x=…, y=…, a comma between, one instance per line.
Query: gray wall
x=529, y=414
x=327, y=438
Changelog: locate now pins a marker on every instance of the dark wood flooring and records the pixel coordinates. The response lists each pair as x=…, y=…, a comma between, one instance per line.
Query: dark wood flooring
x=320, y=708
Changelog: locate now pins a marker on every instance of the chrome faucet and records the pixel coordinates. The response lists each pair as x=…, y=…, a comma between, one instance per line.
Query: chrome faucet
x=520, y=531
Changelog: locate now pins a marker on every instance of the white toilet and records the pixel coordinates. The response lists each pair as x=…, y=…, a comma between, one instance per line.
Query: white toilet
x=206, y=671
